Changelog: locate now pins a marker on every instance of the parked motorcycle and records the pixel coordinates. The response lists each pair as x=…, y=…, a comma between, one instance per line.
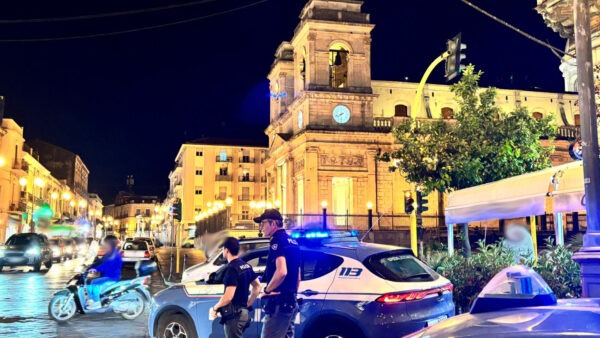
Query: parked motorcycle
x=128, y=298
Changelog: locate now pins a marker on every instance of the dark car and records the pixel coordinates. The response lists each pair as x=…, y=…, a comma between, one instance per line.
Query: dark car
x=70, y=248
x=28, y=249
x=57, y=245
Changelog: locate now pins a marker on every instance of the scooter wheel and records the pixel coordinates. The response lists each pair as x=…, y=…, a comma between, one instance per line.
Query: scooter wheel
x=137, y=305
x=62, y=307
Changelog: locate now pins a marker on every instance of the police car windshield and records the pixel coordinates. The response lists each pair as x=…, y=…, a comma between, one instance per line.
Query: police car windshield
x=399, y=266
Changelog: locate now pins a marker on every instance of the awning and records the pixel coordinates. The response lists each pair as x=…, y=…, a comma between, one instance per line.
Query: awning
x=519, y=196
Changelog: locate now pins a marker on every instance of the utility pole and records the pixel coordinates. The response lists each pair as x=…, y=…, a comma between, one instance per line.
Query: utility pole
x=589, y=255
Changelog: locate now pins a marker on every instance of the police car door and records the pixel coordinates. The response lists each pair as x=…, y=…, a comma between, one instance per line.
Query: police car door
x=318, y=271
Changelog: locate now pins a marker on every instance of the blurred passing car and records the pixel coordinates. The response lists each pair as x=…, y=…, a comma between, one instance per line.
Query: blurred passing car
x=70, y=248
x=28, y=249
x=134, y=251
x=57, y=245
x=517, y=302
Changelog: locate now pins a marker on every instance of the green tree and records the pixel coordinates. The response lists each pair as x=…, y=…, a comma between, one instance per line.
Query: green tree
x=483, y=144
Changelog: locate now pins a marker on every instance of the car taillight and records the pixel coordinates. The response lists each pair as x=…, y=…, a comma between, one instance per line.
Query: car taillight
x=146, y=254
x=390, y=298
x=122, y=253
x=145, y=281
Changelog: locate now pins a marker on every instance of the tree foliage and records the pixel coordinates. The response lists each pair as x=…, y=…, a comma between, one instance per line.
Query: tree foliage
x=483, y=144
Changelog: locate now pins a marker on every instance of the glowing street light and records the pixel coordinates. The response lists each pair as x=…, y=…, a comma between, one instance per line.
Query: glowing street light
x=82, y=204
x=54, y=195
x=72, y=204
x=22, y=181
x=228, y=201
x=277, y=204
x=252, y=204
x=369, y=205
x=324, y=204
x=39, y=182
x=2, y=161
x=66, y=196
x=269, y=205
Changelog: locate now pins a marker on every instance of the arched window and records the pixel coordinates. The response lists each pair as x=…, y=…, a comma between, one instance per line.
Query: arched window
x=401, y=110
x=338, y=66
x=577, y=119
x=537, y=115
x=447, y=113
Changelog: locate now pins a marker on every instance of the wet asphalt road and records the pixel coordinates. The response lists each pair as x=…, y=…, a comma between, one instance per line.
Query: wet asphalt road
x=24, y=297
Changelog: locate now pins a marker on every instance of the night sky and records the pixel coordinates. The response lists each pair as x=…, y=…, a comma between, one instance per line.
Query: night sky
x=126, y=103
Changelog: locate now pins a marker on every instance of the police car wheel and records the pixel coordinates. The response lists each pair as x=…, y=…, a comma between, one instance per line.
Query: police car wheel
x=176, y=326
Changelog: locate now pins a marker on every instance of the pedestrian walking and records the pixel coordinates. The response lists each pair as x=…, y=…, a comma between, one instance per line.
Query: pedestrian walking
x=234, y=306
x=282, y=276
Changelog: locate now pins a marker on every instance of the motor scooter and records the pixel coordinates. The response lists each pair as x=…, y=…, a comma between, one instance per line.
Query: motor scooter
x=128, y=298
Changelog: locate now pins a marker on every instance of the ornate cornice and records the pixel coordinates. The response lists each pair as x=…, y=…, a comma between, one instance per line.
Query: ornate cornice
x=558, y=15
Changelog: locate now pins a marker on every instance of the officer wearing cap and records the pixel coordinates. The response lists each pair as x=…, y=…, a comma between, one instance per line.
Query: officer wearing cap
x=234, y=304
x=282, y=277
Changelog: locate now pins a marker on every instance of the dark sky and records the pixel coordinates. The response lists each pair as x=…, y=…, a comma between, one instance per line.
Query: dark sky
x=126, y=103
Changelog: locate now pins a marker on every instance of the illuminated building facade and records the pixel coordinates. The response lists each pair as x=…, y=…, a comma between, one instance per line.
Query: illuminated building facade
x=209, y=170
x=329, y=120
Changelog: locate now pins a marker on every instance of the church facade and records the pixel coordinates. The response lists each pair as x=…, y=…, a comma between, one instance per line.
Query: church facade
x=329, y=120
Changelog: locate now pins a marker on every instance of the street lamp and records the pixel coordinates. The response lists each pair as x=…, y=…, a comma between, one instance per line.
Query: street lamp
x=2, y=161
x=277, y=204
x=269, y=205
x=324, y=206
x=54, y=195
x=22, y=181
x=39, y=182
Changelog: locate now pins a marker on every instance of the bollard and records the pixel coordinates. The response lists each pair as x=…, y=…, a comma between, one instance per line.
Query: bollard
x=184, y=261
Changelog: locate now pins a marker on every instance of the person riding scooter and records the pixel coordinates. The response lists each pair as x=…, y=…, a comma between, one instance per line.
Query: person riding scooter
x=109, y=268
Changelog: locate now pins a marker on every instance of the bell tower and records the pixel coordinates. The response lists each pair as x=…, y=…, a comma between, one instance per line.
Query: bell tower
x=332, y=47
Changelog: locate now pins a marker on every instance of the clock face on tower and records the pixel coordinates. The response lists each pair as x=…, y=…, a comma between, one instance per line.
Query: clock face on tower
x=300, y=120
x=341, y=114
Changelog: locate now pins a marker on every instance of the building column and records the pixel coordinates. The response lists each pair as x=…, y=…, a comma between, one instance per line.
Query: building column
x=569, y=72
x=289, y=186
x=311, y=181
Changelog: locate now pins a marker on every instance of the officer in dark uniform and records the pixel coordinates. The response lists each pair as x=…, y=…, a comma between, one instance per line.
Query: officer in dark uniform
x=235, y=302
x=282, y=277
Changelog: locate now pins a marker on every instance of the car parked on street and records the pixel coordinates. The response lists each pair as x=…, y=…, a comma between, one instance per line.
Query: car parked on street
x=57, y=244
x=213, y=263
x=27, y=249
x=135, y=251
x=348, y=289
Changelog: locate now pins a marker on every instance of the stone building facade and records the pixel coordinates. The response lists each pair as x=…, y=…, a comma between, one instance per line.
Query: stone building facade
x=329, y=120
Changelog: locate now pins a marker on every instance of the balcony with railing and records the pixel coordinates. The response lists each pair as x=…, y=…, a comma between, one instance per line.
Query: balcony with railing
x=247, y=159
x=223, y=159
x=243, y=198
x=246, y=179
x=567, y=132
x=223, y=178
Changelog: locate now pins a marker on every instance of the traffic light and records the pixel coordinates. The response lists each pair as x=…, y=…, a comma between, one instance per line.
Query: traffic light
x=176, y=212
x=421, y=203
x=455, y=48
x=408, y=202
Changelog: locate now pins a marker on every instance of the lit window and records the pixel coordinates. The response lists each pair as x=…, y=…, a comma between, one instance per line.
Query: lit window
x=447, y=113
x=223, y=156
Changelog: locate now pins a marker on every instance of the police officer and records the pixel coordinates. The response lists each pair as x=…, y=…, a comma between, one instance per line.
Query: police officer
x=235, y=302
x=282, y=277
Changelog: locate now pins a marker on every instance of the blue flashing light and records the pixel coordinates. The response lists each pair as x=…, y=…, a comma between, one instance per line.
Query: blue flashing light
x=353, y=233
x=310, y=234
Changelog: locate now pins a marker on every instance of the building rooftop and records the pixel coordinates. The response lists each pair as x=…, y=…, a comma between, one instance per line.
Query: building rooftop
x=214, y=141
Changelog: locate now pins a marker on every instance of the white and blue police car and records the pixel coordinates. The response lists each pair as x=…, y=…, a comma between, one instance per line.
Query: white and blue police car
x=348, y=289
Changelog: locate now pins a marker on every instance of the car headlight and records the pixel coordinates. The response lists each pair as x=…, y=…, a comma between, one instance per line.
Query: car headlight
x=33, y=251
x=55, y=251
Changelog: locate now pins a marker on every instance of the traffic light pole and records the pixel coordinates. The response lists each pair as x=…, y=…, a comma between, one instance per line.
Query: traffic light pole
x=589, y=254
x=419, y=96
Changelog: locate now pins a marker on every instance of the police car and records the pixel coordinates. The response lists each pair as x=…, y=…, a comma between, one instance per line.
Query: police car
x=348, y=289
x=517, y=302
